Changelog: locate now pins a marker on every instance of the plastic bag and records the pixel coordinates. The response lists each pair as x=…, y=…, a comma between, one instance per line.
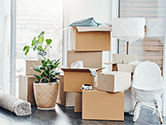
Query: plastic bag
x=89, y=22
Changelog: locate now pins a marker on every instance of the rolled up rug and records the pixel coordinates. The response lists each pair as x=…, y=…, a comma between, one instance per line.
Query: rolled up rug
x=13, y=104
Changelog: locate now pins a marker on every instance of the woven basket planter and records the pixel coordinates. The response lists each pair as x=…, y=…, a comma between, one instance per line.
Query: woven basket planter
x=45, y=94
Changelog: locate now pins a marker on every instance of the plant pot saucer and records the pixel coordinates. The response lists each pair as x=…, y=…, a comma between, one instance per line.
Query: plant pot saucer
x=46, y=108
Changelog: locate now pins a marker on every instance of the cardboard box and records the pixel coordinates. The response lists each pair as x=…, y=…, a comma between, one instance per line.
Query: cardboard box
x=90, y=40
x=78, y=102
x=74, y=78
x=26, y=92
x=65, y=98
x=29, y=66
x=26, y=66
x=114, y=81
x=90, y=59
x=117, y=63
x=100, y=105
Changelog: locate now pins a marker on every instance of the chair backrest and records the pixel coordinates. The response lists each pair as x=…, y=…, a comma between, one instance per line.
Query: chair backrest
x=147, y=76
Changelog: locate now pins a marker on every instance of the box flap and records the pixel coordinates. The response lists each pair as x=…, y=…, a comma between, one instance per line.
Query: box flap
x=87, y=29
x=75, y=70
x=126, y=58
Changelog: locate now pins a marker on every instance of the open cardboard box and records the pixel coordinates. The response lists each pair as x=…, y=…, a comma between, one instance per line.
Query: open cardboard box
x=100, y=105
x=90, y=59
x=90, y=38
x=117, y=63
x=114, y=81
x=64, y=98
x=74, y=78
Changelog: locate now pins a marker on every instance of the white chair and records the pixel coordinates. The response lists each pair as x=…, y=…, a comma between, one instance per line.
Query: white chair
x=147, y=86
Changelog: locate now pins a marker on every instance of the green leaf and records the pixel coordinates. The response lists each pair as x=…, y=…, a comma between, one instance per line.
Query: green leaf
x=33, y=41
x=48, y=41
x=37, y=68
x=56, y=73
x=44, y=74
x=39, y=48
x=37, y=77
x=41, y=39
x=41, y=34
x=25, y=47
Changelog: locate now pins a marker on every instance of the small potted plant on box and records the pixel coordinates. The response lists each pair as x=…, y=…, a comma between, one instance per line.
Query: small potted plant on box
x=46, y=85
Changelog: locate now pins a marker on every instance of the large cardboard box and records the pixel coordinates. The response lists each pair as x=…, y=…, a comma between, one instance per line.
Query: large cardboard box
x=78, y=102
x=90, y=38
x=26, y=92
x=117, y=63
x=90, y=59
x=64, y=98
x=100, y=105
x=114, y=81
x=74, y=78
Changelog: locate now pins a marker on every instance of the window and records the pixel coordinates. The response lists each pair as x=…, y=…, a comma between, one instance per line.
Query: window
x=151, y=47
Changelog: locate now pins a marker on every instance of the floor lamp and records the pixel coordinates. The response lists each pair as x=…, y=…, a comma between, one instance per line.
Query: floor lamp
x=128, y=29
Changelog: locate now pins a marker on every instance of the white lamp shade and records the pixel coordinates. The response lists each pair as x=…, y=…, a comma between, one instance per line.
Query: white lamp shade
x=128, y=29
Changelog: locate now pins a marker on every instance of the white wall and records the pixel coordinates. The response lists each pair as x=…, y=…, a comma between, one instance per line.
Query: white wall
x=99, y=9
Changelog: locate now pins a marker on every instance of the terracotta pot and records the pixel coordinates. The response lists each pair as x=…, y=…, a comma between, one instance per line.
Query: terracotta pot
x=45, y=94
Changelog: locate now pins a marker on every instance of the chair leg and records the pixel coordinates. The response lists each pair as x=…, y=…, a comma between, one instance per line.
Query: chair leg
x=136, y=111
x=158, y=110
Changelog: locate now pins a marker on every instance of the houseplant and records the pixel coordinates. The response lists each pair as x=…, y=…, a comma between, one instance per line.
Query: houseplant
x=46, y=85
x=39, y=45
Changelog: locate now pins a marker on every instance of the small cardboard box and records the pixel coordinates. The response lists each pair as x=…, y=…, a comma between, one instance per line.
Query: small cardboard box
x=78, y=102
x=64, y=98
x=90, y=38
x=29, y=66
x=74, y=78
x=117, y=63
x=26, y=92
x=26, y=66
x=90, y=59
x=100, y=105
x=114, y=81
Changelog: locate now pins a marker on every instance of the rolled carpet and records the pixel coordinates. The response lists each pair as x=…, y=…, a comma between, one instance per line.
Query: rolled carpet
x=13, y=104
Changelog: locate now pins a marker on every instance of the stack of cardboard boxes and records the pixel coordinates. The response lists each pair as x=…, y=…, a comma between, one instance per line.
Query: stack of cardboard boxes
x=26, y=81
x=106, y=100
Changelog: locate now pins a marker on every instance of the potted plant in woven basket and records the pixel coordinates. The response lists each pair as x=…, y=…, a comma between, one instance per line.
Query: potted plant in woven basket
x=46, y=85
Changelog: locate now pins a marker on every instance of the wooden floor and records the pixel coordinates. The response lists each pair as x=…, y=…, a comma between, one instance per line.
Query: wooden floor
x=66, y=116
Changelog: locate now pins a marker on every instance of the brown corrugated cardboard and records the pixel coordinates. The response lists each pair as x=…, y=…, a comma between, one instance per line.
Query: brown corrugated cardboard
x=90, y=41
x=78, y=102
x=117, y=63
x=29, y=66
x=26, y=92
x=65, y=98
x=74, y=78
x=100, y=105
x=90, y=59
x=114, y=81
